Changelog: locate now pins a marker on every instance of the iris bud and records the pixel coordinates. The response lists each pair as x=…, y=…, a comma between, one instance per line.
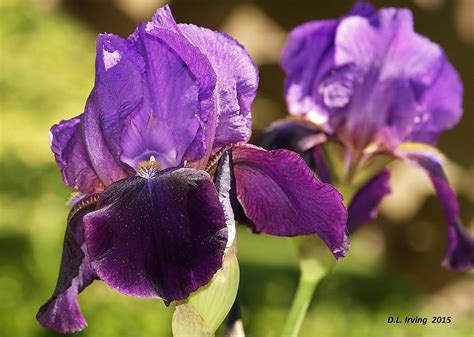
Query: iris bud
x=201, y=314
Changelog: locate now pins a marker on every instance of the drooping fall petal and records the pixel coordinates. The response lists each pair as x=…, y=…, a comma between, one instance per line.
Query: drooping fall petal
x=282, y=197
x=61, y=312
x=161, y=235
x=460, y=251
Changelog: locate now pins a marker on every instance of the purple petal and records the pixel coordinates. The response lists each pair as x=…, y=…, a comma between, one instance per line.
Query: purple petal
x=117, y=93
x=307, y=59
x=364, y=206
x=71, y=155
x=301, y=137
x=394, y=76
x=62, y=312
x=159, y=236
x=460, y=251
x=441, y=104
x=320, y=164
x=237, y=81
x=282, y=197
x=181, y=82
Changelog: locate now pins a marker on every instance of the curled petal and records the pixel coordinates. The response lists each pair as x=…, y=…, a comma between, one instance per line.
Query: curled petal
x=160, y=236
x=67, y=144
x=460, y=251
x=365, y=204
x=237, y=81
x=282, y=197
x=61, y=312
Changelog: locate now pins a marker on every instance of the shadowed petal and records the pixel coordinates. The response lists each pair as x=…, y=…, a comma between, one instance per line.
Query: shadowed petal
x=159, y=236
x=365, y=204
x=301, y=137
x=288, y=134
x=61, y=312
x=237, y=81
x=460, y=250
x=282, y=197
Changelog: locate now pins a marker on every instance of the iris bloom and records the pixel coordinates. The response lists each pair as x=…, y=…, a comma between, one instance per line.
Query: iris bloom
x=368, y=81
x=166, y=104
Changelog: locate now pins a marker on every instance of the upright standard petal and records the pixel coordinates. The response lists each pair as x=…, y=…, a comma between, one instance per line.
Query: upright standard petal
x=160, y=235
x=307, y=59
x=282, y=197
x=237, y=81
x=364, y=206
x=460, y=250
x=440, y=105
x=117, y=93
x=397, y=79
x=179, y=100
x=61, y=312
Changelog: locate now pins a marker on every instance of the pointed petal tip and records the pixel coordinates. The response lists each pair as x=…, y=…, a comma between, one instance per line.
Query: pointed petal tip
x=341, y=252
x=282, y=197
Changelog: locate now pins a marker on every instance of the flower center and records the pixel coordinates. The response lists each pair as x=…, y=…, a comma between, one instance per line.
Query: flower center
x=147, y=169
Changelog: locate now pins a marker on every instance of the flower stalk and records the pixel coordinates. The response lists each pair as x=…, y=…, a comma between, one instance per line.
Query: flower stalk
x=312, y=272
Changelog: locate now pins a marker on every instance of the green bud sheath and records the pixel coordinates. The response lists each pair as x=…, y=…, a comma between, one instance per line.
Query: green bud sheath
x=204, y=311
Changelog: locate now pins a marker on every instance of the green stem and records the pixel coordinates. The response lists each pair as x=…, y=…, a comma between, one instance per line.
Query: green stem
x=311, y=273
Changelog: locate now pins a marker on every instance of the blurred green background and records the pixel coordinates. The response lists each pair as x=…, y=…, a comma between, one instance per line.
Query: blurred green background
x=47, y=59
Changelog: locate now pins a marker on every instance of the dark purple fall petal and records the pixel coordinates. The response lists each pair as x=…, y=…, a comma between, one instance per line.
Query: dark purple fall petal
x=61, y=312
x=364, y=206
x=460, y=251
x=162, y=236
x=282, y=197
x=237, y=81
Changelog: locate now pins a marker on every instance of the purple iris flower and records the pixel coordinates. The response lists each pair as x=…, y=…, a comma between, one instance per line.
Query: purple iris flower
x=169, y=103
x=368, y=81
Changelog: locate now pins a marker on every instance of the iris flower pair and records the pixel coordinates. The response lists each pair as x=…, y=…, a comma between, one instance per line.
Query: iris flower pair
x=167, y=103
x=370, y=83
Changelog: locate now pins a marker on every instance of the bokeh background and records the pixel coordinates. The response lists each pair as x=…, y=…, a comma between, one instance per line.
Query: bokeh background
x=47, y=59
